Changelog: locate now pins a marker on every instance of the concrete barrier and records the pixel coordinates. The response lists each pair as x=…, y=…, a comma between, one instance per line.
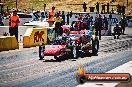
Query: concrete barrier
x=21, y=31
x=34, y=36
x=8, y=43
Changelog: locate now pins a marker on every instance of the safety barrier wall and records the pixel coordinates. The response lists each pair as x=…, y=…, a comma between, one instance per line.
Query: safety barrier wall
x=8, y=43
x=21, y=31
x=34, y=36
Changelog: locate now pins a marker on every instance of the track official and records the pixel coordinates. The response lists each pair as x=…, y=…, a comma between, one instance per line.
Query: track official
x=123, y=23
x=58, y=23
x=13, y=24
x=98, y=26
x=51, y=16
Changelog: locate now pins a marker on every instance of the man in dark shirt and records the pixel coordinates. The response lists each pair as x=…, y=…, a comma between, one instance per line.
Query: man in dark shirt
x=63, y=17
x=84, y=6
x=97, y=7
x=105, y=22
x=68, y=15
x=123, y=23
x=98, y=26
x=117, y=31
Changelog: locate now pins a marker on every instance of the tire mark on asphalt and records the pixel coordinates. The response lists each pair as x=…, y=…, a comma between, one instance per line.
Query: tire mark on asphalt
x=98, y=66
x=19, y=75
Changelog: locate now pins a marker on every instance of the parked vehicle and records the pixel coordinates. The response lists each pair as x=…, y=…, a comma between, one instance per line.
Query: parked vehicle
x=37, y=22
x=23, y=18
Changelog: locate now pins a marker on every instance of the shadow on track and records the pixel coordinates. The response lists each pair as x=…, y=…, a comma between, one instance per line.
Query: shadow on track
x=68, y=57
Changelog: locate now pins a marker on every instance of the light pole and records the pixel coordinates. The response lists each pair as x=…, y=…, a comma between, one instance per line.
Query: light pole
x=16, y=4
x=44, y=6
x=127, y=3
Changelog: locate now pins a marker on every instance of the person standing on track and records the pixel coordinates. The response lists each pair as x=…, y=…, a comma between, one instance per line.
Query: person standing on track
x=13, y=24
x=123, y=23
x=63, y=17
x=98, y=26
x=1, y=22
x=105, y=22
x=68, y=15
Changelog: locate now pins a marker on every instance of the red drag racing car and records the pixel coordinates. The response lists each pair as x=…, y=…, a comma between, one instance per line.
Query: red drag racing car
x=72, y=45
x=57, y=49
x=76, y=42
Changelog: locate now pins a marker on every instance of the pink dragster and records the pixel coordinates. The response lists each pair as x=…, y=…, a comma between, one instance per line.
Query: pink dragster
x=55, y=50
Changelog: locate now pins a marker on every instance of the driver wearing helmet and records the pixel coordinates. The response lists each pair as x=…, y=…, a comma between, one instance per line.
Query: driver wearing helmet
x=77, y=25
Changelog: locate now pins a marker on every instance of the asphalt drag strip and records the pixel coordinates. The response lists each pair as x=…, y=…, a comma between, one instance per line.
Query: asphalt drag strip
x=32, y=72
x=7, y=57
x=66, y=78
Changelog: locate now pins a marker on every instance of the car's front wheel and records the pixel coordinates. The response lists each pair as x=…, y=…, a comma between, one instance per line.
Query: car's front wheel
x=41, y=51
